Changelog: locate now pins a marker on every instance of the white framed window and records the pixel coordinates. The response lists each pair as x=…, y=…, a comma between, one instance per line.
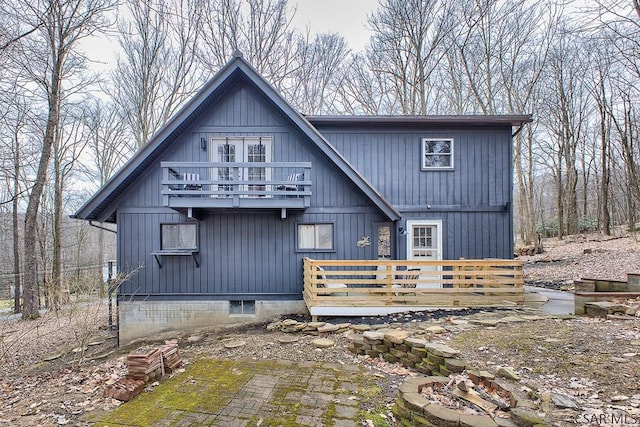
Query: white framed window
x=242, y=149
x=437, y=153
x=315, y=237
x=179, y=236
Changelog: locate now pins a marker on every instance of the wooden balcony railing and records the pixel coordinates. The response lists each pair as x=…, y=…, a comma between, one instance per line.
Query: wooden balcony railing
x=382, y=287
x=236, y=185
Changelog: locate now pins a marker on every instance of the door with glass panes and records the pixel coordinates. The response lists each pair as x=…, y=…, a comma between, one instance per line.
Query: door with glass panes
x=241, y=150
x=424, y=243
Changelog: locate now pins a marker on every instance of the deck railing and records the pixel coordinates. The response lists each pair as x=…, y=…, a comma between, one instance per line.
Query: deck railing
x=236, y=184
x=344, y=286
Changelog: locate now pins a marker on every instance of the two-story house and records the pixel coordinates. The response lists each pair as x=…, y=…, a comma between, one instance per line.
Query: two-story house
x=216, y=213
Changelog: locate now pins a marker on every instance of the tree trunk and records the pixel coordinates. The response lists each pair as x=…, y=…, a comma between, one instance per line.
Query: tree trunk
x=605, y=218
x=522, y=199
x=56, y=267
x=31, y=285
x=571, y=197
x=16, y=230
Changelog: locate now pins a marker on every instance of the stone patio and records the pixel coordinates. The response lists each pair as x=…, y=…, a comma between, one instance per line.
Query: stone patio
x=250, y=393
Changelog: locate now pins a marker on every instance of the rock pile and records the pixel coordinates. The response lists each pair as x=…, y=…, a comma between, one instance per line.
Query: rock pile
x=398, y=346
x=309, y=328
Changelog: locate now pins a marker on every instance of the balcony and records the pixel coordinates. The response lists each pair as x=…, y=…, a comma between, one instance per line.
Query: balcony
x=237, y=185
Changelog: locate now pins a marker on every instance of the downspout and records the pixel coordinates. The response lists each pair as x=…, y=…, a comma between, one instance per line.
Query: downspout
x=110, y=291
x=101, y=227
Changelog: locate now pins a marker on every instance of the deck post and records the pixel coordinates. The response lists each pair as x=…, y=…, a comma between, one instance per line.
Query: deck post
x=165, y=177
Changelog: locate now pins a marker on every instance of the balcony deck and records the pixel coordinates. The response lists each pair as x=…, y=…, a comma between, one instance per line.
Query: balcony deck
x=252, y=185
x=368, y=288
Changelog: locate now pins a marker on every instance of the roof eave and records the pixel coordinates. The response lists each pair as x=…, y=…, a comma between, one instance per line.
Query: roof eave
x=478, y=120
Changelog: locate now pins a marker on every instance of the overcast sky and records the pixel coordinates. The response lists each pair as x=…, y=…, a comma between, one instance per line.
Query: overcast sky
x=346, y=17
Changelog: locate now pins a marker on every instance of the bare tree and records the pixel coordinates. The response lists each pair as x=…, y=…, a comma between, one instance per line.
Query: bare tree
x=19, y=119
x=110, y=146
x=156, y=72
x=363, y=91
x=69, y=144
x=260, y=29
x=567, y=111
x=627, y=130
x=619, y=30
x=13, y=117
x=407, y=47
x=599, y=86
x=49, y=58
x=525, y=49
x=317, y=78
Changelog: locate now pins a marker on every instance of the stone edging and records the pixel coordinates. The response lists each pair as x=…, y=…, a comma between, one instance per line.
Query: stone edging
x=435, y=360
x=439, y=361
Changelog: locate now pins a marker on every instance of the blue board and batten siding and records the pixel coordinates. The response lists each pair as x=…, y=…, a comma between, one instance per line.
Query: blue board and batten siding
x=359, y=173
x=472, y=199
x=242, y=254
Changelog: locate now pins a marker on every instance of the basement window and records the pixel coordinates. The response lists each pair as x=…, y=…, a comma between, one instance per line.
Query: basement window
x=242, y=307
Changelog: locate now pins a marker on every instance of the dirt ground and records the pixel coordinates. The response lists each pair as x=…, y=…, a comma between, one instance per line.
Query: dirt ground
x=53, y=371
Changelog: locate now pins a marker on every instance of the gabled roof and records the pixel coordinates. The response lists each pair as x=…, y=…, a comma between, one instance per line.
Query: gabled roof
x=100, y=206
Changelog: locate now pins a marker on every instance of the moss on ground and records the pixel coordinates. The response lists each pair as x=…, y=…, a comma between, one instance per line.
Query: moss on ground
x=206, y=386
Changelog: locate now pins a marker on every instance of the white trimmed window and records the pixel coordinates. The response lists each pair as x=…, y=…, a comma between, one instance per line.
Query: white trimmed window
x=179, y=236
x=437, y=153
x=315, y=237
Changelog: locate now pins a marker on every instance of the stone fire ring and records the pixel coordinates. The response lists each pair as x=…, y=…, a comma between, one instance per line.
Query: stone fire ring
x=422, y=412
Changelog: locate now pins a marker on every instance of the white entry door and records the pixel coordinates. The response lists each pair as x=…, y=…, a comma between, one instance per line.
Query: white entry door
x=424, y=243
x=242, y=150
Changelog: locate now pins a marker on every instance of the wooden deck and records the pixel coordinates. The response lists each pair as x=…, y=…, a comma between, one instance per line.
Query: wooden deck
x=362, y=288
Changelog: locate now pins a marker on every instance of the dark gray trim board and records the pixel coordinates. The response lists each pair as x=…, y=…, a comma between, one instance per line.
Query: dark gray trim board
x=209, y=297
x=449, y=121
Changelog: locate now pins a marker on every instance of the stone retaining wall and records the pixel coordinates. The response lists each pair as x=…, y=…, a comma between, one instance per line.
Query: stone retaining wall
x=439, y=361
x=415, y=353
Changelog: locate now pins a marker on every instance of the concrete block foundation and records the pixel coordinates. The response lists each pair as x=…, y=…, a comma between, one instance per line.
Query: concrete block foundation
x=142, y=319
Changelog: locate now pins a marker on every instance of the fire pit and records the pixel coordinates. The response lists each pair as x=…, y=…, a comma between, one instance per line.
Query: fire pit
x=471, y=399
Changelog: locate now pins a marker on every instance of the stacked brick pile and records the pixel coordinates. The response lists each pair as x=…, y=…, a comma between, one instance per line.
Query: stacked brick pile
x=170, y=356
x=145, y=365
x=124, y=389
x=398, y=346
